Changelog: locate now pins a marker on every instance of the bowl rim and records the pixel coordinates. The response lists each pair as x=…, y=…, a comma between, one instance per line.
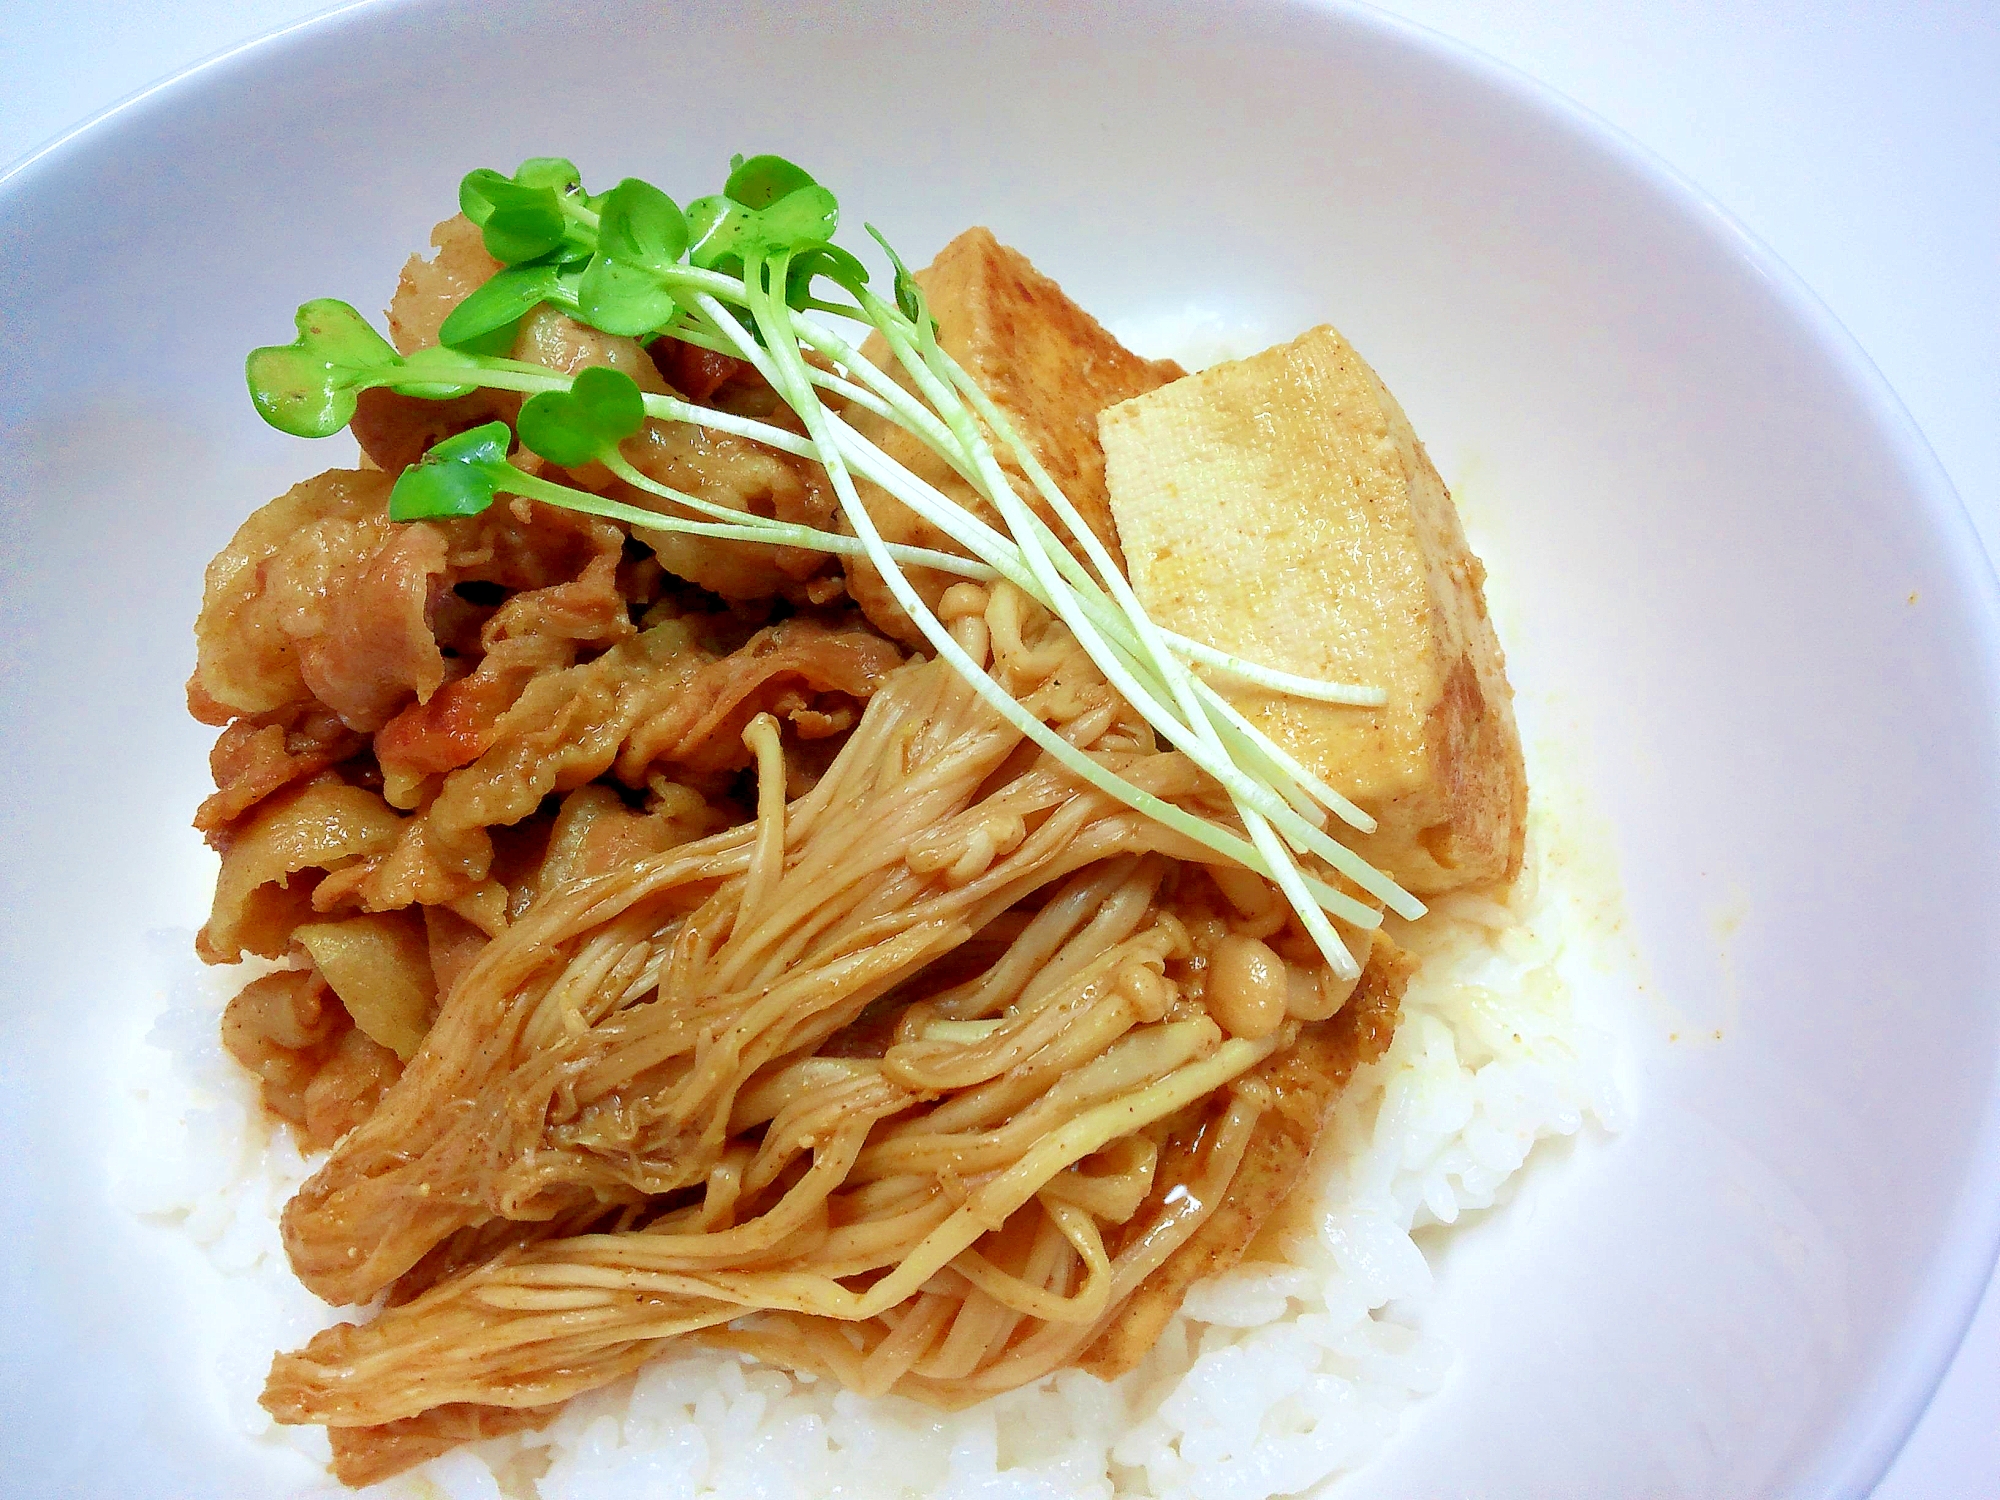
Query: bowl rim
x=1965, y=1261
x=1966, y=1256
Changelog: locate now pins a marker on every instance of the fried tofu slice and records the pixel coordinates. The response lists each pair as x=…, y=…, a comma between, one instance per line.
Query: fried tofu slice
x=1046, y=363
x=1302, y=1082
x=1281, y=507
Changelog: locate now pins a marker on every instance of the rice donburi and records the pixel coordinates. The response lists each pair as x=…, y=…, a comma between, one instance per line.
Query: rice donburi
x=870, y=857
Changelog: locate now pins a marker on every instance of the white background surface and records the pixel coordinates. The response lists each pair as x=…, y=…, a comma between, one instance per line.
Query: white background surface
x=1860, y=140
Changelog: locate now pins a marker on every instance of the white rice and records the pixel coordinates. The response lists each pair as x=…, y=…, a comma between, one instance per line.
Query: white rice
x=1276, y=1378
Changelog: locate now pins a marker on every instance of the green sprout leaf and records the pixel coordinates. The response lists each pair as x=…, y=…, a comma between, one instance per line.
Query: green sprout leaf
x=484, y=190
x=524, y=232
x=557, y=172
x=308, y=387
x=458, y=477
x=798, y=221
x=641, y=226
x=601, y=408
x=760, y=181
x=717, y=229
x=623, y=299
x=641, y=235
x=829, y=261
x=768, y=207
x=481, y=191
x=497, y=305
x=521, y=217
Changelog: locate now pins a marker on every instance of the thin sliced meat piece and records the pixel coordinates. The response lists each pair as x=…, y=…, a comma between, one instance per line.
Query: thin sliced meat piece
x=703, y=727
x=258, y=756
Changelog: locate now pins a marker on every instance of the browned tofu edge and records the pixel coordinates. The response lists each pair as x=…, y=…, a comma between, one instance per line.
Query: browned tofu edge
x=1475, y=744
x=1013, y=329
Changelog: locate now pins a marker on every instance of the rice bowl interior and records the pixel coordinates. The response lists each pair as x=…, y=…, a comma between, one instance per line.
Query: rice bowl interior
x=1789, y=503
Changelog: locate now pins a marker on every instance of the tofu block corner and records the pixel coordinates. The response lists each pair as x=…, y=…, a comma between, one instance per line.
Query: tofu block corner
x=1281, y=507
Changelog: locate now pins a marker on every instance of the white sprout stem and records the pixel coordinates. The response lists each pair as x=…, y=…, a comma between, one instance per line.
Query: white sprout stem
x=736, y=525
x=1129, y=610
x=1125, y=648
x=1138, y=658
x=674, y=409
x=1005, y=555
x=1115, y=656
x=1238, y=727
x=851, y=393
x=938, y=510
x=872, y=464
x=1352, y=695
x=896, y=406
x=1193, y=732
x=1298, y=832
x=689, y=329
x=1209, y=753
x=1290, y=684
x=1197, y=736
x=1287, y=876
x=1293, y=776
x=1301, y=827
x=1263, y=855
x=616, y=510
x=1286, y=776
x=906, y=411
x=532, y=380
x=697, y=331
x=886, y=399
x=989, y=545
x=1272, y=751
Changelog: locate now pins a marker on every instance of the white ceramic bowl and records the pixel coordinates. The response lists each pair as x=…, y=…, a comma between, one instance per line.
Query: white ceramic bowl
x=1745, y=602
